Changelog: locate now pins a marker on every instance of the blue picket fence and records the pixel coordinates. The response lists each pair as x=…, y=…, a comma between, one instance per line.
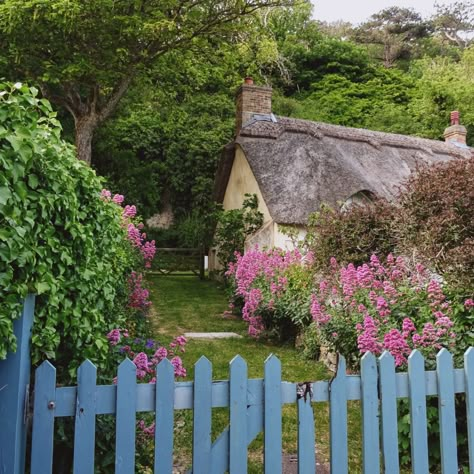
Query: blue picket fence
x=255, y=405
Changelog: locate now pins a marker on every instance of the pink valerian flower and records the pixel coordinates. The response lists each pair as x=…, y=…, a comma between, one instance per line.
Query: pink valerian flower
x=469, y=303
x=134, y=234
x=179, y=342
x=435, y=293
x=372, y=298
x=397, y=345
x=138, y=296
x=147, y=359
x=318, y=312
x=129, y=212
x=142, y=364
x=179, y=370
x=408, y=326
x=367, y=341
x=161, y=353
x=105, y=195
x=118, y=198
x=114, y=337
x=147, y=430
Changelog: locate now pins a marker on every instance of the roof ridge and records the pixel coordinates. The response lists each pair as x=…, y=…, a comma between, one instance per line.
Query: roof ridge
x=318, y=130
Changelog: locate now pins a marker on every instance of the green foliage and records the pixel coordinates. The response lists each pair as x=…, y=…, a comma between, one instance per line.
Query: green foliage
x=58, y=239
x=234, y=226
x=443, y=85
x=163, y=146
x=311, y=342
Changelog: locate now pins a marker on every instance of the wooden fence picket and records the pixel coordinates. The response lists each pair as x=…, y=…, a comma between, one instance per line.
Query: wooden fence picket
x=238, y=416
x=125, y=422
x=272, y=416
x=370, y=414
x=164, y=417
x=202, y=416
x=338, y=419
x=388, y=408
x=469, y=382
x=43, y=425
x=84, y=432
x=418, y=424
x=446, y=412
x=306, y=438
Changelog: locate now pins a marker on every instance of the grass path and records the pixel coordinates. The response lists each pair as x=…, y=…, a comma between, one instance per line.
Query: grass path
x=185, y=304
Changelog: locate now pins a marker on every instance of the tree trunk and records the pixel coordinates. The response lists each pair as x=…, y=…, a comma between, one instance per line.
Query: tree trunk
x=85, y=127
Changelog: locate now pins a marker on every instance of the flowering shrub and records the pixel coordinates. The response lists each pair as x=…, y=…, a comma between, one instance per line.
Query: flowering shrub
x=274, y=286
x=137, y=238
x=146, y=354
x=376, y=307
x=138, y=295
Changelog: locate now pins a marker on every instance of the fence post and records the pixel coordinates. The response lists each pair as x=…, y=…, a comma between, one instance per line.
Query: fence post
x=14, y=385
x=201, y=263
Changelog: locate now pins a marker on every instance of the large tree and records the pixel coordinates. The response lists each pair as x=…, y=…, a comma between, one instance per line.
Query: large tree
x=393, y=31
x=85, y=54
x=455, y=22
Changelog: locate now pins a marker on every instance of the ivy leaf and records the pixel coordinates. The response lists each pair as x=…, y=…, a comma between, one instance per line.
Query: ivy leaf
x=33, y=181
x=5, y=195
x=41, y=287
x=21, y=190
x=14, y=142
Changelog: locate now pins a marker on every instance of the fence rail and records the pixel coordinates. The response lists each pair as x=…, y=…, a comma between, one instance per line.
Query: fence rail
x=255, y=406
x=179, y=261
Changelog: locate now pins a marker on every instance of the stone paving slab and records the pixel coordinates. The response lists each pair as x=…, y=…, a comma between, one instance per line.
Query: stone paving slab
x=211, y=335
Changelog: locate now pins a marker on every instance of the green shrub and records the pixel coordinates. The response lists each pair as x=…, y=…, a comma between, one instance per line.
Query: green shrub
x=351, y=235
x=58, y=239
x=436, y=219
x=234, y=226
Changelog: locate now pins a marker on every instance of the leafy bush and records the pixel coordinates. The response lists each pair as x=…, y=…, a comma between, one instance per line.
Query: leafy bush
x=234, y=226
x=436, y=219
x=58, y=238
x=351, y=235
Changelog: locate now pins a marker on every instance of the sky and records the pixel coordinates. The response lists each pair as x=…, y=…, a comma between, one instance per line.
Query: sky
x=357, y=11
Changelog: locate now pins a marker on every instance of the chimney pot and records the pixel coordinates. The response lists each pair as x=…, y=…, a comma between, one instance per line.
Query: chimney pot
x=248, y=80
x=454, y=117
x=455, y=133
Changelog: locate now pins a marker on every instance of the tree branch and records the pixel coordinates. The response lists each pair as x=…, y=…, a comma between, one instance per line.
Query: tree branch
x=115, y=97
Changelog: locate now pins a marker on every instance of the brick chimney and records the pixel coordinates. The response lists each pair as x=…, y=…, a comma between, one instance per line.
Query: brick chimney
x=250, y=100
x=455, y=133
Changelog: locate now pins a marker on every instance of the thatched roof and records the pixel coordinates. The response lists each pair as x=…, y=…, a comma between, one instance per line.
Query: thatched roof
x=300, y=164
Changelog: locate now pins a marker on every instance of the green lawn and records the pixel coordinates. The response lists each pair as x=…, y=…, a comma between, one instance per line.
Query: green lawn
x=186, y=304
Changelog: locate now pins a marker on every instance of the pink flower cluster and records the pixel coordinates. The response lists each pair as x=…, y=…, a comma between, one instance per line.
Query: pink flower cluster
x=392, y=307
x=138, y=239
x=146, y=362
x=138, y=296
x=259, y=279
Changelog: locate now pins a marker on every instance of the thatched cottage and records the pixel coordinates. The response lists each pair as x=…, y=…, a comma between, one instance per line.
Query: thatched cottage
x=294, y=166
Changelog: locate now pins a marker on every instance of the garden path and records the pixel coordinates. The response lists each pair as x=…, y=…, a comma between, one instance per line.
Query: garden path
x=186, y=304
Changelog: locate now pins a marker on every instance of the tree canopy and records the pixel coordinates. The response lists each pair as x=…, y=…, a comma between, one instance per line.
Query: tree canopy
x=84, y=55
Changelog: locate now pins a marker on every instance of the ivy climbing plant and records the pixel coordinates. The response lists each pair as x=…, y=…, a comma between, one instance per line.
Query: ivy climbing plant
x=58, y=238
